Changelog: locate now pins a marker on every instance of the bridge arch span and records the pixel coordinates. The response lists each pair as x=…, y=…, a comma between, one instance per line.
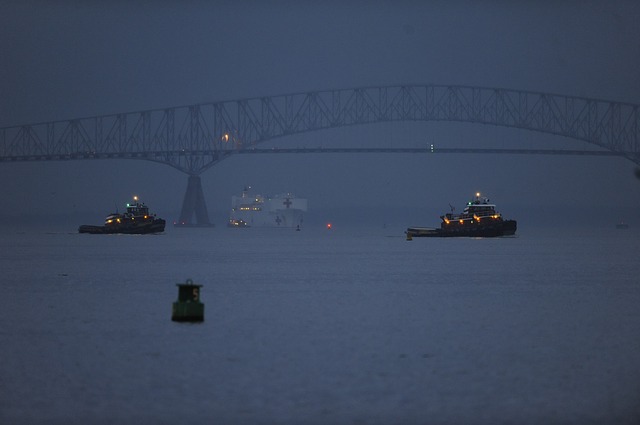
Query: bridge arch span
x=193, y=138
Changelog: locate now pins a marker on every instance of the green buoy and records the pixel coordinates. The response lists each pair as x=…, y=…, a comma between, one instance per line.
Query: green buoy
x=188, y=308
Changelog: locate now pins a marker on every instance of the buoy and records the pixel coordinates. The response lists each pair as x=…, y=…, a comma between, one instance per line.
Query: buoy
x=188, y=308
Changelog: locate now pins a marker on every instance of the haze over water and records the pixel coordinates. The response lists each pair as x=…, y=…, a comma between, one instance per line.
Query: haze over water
x=110, y=58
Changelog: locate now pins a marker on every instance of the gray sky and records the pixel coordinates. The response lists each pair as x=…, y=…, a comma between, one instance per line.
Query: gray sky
x=68, y=59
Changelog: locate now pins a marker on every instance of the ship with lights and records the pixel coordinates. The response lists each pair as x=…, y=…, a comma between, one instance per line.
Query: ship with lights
x=478, y=219
x=136, y=220
x=253, y=210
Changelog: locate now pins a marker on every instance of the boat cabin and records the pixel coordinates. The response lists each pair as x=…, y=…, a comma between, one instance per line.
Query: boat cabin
x=475, y=209
x=137, y=209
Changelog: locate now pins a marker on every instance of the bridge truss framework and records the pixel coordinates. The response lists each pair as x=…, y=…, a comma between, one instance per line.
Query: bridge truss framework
x=194, y=138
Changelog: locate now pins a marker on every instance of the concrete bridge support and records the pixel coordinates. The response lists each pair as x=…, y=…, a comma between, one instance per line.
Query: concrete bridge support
x=194, y=205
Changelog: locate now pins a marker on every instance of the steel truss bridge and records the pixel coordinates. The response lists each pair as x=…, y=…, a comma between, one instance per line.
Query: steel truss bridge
x=193, y=138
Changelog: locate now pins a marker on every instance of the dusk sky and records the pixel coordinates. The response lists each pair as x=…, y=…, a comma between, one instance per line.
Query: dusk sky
x=71, y=59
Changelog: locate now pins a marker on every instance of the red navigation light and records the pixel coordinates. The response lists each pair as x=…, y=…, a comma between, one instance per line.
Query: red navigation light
x=329, y=226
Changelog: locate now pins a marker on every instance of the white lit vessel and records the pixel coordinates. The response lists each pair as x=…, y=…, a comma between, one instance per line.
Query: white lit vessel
x=284, y=210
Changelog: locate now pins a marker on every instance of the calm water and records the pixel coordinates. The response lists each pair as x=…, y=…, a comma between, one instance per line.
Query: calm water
x=320, y=327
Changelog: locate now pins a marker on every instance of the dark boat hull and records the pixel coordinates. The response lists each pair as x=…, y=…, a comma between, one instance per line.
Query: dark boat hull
x=155, y=226
x=492, y=230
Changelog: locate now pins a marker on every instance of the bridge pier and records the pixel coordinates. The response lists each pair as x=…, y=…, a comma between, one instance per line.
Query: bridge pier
x=194, y=205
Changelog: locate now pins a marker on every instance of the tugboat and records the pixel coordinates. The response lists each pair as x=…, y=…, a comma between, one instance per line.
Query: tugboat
x=136, y=221
x=479, y=219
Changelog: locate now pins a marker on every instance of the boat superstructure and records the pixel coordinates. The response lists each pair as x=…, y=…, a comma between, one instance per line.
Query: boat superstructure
x=252, y=210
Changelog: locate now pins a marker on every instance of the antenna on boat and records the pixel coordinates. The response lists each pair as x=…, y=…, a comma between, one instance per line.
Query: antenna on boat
x=452, y=208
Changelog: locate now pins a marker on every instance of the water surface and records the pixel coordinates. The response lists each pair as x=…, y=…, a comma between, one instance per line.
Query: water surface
x=347, y=326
